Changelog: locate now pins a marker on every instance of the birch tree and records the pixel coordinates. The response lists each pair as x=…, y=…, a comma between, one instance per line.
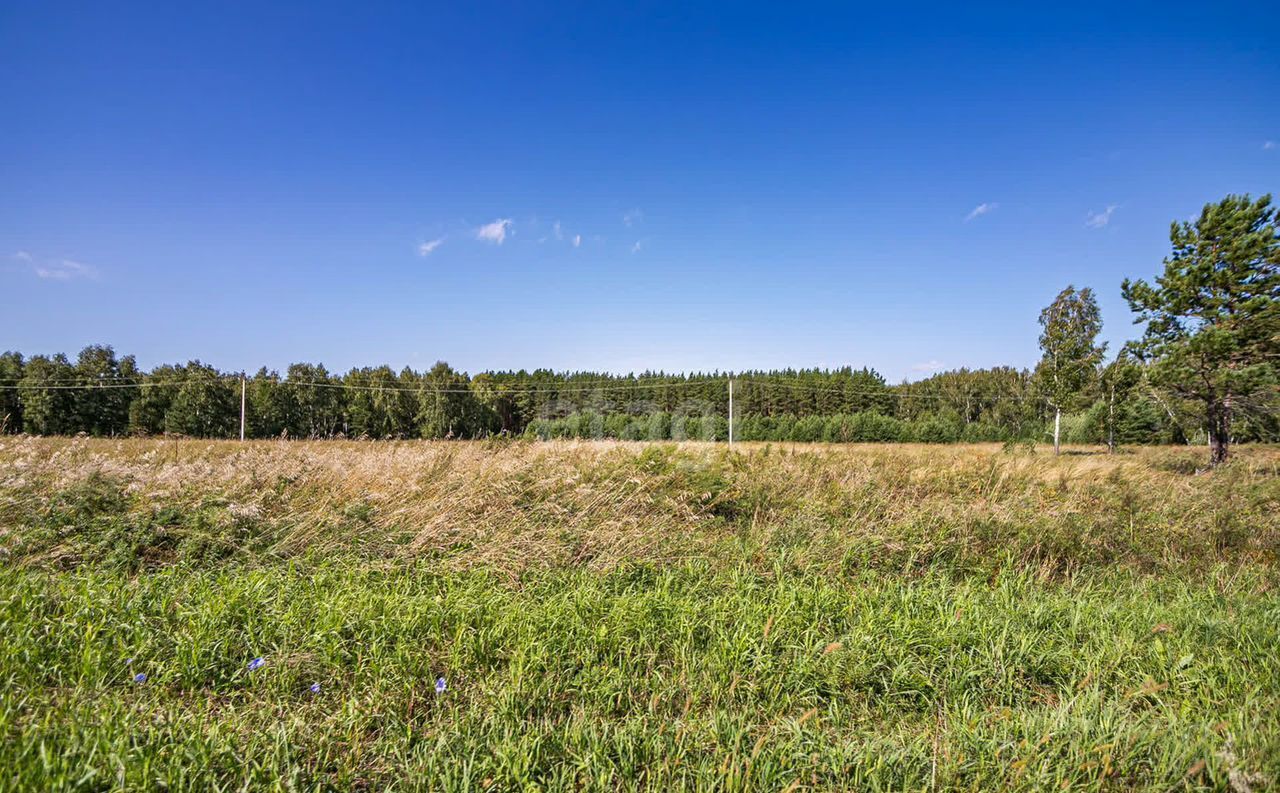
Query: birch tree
x=1071, y=354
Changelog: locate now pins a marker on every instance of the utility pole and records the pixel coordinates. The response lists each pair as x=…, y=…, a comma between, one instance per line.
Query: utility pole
x=731, y=413
x=242, y=407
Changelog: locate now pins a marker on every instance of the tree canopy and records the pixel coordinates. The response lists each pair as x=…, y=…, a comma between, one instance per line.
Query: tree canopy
x=1212, y=317
x=1071, y=354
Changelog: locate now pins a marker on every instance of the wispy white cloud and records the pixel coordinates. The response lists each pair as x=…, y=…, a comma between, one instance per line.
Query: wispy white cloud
x=64, y=270
x=927, y=366
x=577, y=240
x=426, y=248
x=54, y=269
x=638, y=246
x=632, y=217
x=1097, y=220
x=558, y=230
x=980, y=210
x=495, y=232
x=1269, y=145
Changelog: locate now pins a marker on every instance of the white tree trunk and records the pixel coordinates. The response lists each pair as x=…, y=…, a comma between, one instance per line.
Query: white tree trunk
x=1057, y=429
x=1111, y=424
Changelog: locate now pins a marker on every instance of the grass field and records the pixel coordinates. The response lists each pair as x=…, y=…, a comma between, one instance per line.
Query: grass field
x=613, y=616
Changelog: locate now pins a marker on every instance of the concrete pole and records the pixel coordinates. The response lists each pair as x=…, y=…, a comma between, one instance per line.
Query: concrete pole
x=730, y=413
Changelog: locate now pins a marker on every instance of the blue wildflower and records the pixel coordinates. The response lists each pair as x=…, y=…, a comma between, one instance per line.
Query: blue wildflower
x=257, y=664
x=315, y=688
x=440, y=685
x=140, y=678
x=128, y=662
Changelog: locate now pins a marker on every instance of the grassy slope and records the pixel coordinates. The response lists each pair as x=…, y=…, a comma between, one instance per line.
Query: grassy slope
x=620, y=616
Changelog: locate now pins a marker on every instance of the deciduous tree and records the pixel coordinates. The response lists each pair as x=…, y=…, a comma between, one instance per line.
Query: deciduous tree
x=1119, y=379
x=205, y=405
x=108, y=386
x=446, y=406
x=48, y=396
x=11, y=365
x=1071, y=324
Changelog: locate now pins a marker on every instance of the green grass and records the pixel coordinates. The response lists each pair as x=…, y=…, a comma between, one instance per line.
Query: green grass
x=797, y=630
x=636, y=679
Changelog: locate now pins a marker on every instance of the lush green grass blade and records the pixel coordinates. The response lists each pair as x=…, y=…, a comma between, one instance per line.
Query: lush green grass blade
x=639, y=677
x=613, y=617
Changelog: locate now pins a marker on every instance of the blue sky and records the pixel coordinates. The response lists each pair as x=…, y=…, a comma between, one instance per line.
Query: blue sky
x=719, y=187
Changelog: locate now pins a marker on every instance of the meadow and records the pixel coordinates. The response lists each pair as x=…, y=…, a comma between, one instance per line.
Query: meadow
x=520, y=615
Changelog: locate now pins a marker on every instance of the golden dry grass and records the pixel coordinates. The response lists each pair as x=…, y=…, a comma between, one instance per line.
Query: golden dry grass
x=596, y=504
x=628, y=616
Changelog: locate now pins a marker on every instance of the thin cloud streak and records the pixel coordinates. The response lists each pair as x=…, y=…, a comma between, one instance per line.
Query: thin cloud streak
x=980, y=210
x=1097, y=220
x=65, y=270
x=55, y=269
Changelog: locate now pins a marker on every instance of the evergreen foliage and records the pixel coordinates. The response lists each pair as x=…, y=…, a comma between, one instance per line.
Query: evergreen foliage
x=1212, y=317
x=105, y=395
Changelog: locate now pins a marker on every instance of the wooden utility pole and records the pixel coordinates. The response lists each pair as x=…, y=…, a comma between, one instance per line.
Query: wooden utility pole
x=242, y=407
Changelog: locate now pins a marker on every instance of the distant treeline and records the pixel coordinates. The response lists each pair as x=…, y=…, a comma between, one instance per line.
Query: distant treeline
x=104, y=395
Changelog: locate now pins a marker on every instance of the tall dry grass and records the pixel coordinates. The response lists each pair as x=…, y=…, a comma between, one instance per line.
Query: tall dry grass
x=638, y=617
x=514, y=505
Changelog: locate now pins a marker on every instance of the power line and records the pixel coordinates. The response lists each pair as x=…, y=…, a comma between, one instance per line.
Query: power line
x=491, y=377
x=544, y=389
x=84, y=386
x=552, y=389
x=132, y=378
x=890, y=392
x=549, y=388
x=900, y=392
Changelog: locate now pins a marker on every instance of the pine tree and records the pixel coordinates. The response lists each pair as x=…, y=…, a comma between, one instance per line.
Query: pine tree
x=1213, y=317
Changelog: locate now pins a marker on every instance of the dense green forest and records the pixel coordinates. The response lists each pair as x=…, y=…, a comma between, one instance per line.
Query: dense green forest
x=101, y=393
x=1205, y=368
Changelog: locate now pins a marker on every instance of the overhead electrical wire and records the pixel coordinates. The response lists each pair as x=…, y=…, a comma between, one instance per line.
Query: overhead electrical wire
x=901, y=392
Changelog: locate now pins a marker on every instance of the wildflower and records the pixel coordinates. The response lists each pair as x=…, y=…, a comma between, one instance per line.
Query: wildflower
x=140, y=678
x=257, y=664
x=315, y=688
x=440, y=685
x=128, y=662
